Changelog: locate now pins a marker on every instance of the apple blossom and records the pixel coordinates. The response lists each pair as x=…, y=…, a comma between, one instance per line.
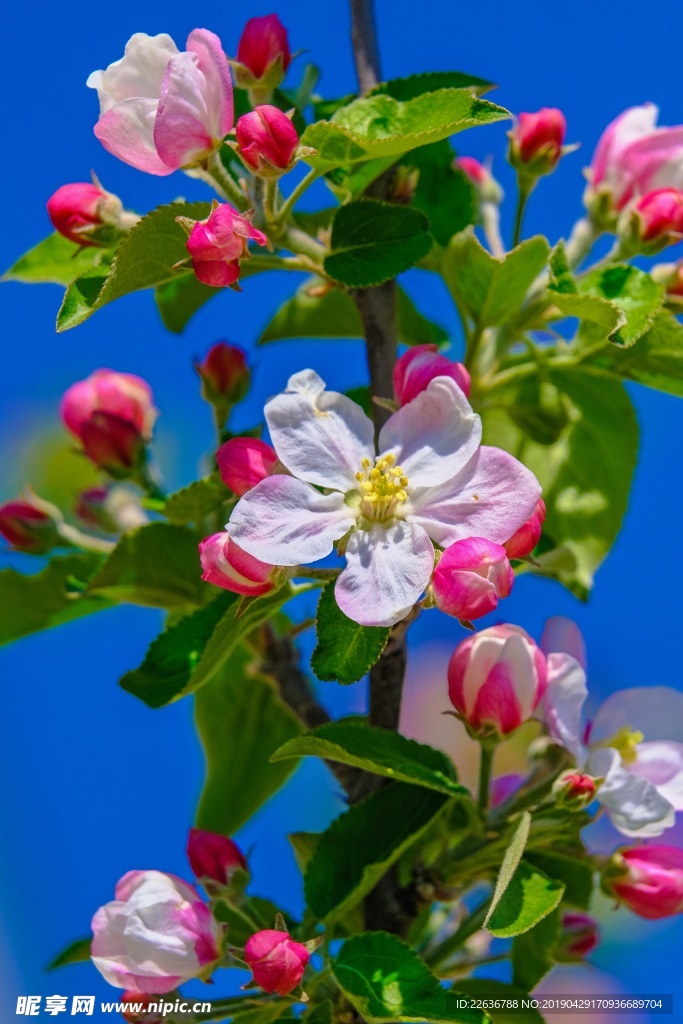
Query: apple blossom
x=87, y=215
x=27, y=527
x=634, y=743
x=245, y=461
x=579, y=935
x=162, y=109
x=525, y=539
x=277, y=962
x=431, y=482
x=470, y=577
x=213, y=856
x=267, y=140
x=225, y=565
x=216, y=245
x=496, y=679
x=155, y=935
x=225, y=378
x=634, y=157
x=415, y=368
x=536, y=141
x=263, y=54
x=648, y=879
x=112, y=415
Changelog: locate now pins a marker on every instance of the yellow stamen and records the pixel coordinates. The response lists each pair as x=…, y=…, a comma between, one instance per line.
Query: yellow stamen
x=382, y=488
x=625, y=740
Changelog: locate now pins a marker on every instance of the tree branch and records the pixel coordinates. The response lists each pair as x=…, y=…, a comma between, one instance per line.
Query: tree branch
x=364, y=39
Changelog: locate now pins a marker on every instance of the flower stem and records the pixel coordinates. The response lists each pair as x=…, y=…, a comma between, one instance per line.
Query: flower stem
x=73, y=536
x=525, y=188
x=490, y=222
x=467, y=929
x=295, y=195
x=224, y=183
x=485, y=767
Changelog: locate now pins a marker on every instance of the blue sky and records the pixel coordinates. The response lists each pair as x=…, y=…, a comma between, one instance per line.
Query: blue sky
x=93, y=782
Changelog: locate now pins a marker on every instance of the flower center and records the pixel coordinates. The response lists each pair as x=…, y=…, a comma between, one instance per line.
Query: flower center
x=382, y=488
x=625, y=740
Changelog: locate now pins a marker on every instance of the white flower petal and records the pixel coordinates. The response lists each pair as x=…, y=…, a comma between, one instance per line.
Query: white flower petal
x=491, y=497
x=434, y=436
x=563, y=702
x=386, y=571
x=139, y=73
x=320, y=436
x=661, y=763
x=284, y=521
x=656, y=711
x=633, y=804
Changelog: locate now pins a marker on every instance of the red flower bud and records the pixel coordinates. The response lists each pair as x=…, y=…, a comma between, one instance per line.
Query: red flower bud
x=536, y=140
x=267, y=140
x=527, y=536
x=489, y=189
x=649, y=880
x=579, y=936
x=276, y=961
x=112, y=444
x=86, y=214
x=263, y=52
x=225, y=565
x=123, y=395
x=574, y=790
x=245, y=461
x=136, y=1011
x=217, y=244
x=470, y=577
x=28, y=528
x=660, y=216
x=213, y=856
x=225, y=374
x=421, y=364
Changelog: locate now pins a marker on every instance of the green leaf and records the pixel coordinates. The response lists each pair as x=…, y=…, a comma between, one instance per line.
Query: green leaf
x=261, y=1014
x=304, y=845
x=531, y=952
x=144, y=259
x=387, y=981
x=622, y=300
x=528, y=897
x=321, y=1014
x=241, y=721
x=498, y=991
x=443, y=192
x=585, y=476
x=575, y=874
x=166, y=672
x=491, y=290
x=656, y=361
x=430, y=81
x=318, y=311
x=381, y=126
x=156, y=565
x=345, y=651
x=48, y=598
x=55, y=260
x=77, y=952
x=513, y=856
x=374, y=241
x=356, y=743
x=361, y=845
x=198, y=500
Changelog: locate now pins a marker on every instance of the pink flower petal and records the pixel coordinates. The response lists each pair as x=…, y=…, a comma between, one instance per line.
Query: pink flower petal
x=661, y=763
x=656, y=711
x=563, y=703
x=127, y=132
x=287, y=522
x=386, y=571
x=181, y=130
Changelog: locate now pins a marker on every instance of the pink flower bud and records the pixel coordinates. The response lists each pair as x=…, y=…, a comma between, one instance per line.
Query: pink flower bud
x=536, y=140
x=245, y=461
x=112, y=415
x=213, y=856
x=155, y=935
x=276, y=961
x=267, y=140
x=503, y=787
x=650, y=881
x=660, y=216
x=227, y=566
x=574, y=790
x=579, y=937
x=111, y=509
x=489, y=189
x=86, y=214
x=671, y=276
x=136, y=1011
x=263, y=52
x=28, y=528
x=496, y=679
x=526, y=538
x=470, y=577
x=225, y=374
x=218, y=243
x=421, y=364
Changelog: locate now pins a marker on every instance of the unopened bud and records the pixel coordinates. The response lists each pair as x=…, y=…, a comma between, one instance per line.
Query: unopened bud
x=28, y=528
x=214, y=857
x=263, y=56
x=652, y=222
x=648, y=879
x=267, y=141
x=225, y=565
x=276, y=961
x=87, y=215
x=579, y=935
x=244, y=461
x=480, y=175
x=574, y=790
x=526, y=538
x=471, y=576
x=225, y=378
x=536, y=141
